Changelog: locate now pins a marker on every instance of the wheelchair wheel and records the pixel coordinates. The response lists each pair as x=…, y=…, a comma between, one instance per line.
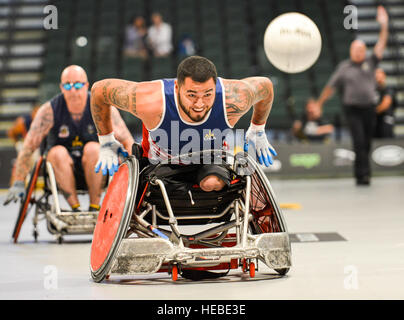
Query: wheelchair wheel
x=267, y=216
x=28, y=199
x=114, y=218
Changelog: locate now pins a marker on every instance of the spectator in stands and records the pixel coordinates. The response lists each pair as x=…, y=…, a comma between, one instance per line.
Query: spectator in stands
x=71, y=141
x=159, y=37
x=312, y=127
x=385, y=107
x=355, y=79
x=135, y=38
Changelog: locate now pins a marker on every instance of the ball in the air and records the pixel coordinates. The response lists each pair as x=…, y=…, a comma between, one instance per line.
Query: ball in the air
x=292, y=42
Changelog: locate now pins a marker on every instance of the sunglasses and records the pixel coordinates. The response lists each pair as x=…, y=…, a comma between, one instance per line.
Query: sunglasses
x=69, y=85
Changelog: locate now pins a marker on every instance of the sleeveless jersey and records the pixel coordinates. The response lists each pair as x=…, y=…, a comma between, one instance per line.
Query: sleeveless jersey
x=67, y=132
x=174, y=136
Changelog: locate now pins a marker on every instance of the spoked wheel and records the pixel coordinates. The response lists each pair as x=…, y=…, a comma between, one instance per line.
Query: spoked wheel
x=28, y=199
x=114, y=218
x=267, y=216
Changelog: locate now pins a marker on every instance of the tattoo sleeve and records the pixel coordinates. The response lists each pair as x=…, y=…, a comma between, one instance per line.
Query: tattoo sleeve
x=239, y=99
x=115, y=92
x=121, y=131
x=242, y=95
x=40, y=127
x=263, y=98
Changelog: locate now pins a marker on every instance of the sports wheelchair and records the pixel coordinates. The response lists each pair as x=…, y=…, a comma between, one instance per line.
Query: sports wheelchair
x=138, y=227
x=44, y=199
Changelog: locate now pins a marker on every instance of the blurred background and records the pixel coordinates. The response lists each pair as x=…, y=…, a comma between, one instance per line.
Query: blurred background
x=94, y=34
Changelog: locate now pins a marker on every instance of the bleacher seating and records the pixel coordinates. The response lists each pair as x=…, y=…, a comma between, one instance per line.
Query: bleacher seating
x=229, y=32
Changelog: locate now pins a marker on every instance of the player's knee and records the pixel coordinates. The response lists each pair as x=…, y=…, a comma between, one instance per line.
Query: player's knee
x=211, y=183
x=58, y=155
x=90, y=152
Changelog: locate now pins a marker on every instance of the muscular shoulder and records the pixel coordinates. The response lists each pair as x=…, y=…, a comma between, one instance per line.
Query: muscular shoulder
x=241, y=95
x=41, y=125
x=44, y=117
x=143, y=99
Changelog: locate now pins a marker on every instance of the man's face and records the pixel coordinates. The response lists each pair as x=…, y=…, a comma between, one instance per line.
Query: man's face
x=139, y=22
x=196, y=98
x=74, y=96
x=357, y=51
x=157, y=19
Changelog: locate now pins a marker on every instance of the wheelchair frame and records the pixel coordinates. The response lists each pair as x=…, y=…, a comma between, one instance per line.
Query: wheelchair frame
x=156, y=249
x=59, y=222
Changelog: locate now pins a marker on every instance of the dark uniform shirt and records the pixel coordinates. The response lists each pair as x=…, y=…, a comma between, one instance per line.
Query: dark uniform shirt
x=67, y=132
x=385, y=121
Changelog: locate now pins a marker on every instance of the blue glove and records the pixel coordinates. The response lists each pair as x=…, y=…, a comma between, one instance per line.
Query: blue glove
x=110, y=150
x=256, y=135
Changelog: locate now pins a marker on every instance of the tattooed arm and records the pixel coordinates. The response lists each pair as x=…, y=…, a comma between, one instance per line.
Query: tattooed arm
x=40, y=127
x=241, y=95
x=121, y=131
x=142, y=99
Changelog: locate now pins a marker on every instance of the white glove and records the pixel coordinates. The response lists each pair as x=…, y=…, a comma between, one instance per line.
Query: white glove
x=256, y=135
x=16, y=191
x=110, y=149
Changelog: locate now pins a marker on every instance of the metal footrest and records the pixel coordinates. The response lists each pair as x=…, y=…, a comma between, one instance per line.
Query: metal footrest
x=73, y=222
x=146, y=255
x=141, y=255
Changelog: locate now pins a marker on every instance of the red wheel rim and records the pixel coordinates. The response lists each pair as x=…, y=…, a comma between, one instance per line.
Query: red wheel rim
x=109, y=218
x=24, y=208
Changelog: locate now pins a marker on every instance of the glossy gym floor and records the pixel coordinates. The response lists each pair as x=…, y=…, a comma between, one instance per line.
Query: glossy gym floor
x=347, y=243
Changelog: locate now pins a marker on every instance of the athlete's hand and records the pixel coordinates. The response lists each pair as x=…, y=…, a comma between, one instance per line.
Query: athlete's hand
x=110, y=150
x=16, y=191
x=256, y=136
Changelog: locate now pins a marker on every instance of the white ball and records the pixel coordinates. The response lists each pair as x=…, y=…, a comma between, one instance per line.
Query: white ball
x=292, y=42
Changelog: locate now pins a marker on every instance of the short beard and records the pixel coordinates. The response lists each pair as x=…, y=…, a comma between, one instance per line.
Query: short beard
x=188, y=113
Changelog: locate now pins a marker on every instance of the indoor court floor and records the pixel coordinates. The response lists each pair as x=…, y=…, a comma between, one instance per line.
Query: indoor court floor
x=347, y=243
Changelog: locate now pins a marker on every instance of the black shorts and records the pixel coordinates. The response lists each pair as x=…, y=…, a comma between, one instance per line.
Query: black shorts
x=79, y=172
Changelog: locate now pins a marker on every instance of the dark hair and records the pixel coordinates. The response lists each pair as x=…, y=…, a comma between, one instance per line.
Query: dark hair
x=200, y=69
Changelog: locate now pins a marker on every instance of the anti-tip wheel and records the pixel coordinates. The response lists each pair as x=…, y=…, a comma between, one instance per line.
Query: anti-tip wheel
x=282, y=271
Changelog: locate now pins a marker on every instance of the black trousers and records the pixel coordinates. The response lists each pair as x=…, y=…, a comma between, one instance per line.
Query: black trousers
x=361, y=121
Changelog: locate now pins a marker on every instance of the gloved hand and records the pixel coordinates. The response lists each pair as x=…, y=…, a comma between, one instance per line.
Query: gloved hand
x=256, y=135
x=110, y=150
x=16, y=191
